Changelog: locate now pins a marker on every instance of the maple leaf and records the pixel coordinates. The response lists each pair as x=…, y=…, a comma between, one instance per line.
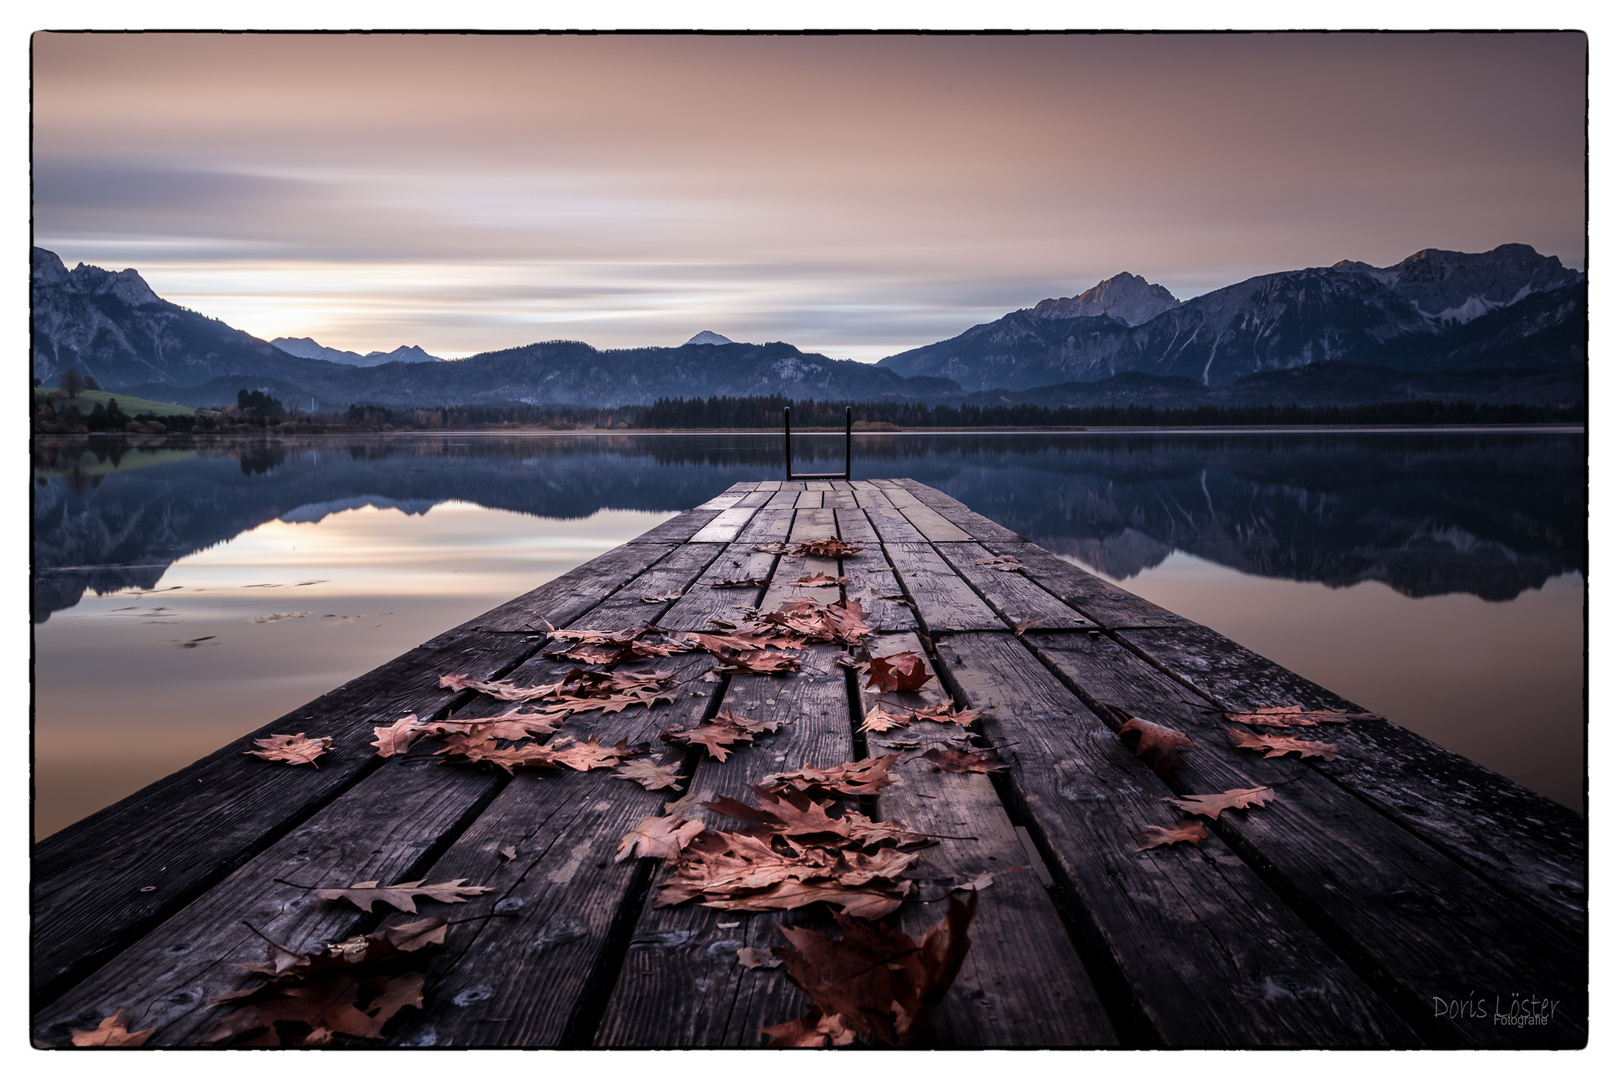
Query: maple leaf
x=657, y=838
x=1187, y=831
x=590, y=754
x=817, y=580
x=112, y=1031
x=1163, y=743
x=791, y=813
x=1280, y=745
x=851, y=778
x=878, y=718
x=1297, y=716
x=1209, y=806
x=827, y=548
x=1005, y=563
x=965, y=761
x=717, y=737
x=898, y=671
x=875, y=980
x=508, y=725
x=403, y=895
x=397, y=737
x=650, y=775
x=292, y=749
x=945, y=713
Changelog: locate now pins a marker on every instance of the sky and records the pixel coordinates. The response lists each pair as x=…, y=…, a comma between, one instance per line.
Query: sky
x=853, y=195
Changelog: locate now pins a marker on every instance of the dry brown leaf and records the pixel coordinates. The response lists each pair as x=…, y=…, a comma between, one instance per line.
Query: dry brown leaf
x=827, y=548
x=766, y=662
x=739, y=583
x=753, y=959
x=965, y=761
x=662, y=597
x=589, y=754
x=1209, y=806
x=818, y=580
x=650, y=775
x=1187, y=831
x=657, y=838
x=795, y=815
x=878, y=718
x=875, y=980
x=1004, y=563
x=507, y=854
x=1297, y=716
x=812, y=1030
x=292, y=749
x=945, y=713
x=1279, y=745
x=397, y=737
x=898, y=671
x=504, y=689
x=1025, y=625
x=772, y=549
x=114, y=1031
x=403, y=895
x=851, y=778
x=1163, y=743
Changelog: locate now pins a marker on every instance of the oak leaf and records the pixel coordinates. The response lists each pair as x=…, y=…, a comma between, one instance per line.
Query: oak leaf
x=965, y=761
x=1209, y=806
x=649, y=774
x=1163, y=743
x=898, y=671
x=875, y=981
x=1003, y=563
x=589, y=754
x=503, y=689
x=363, y=894
x=827, y=548
x=739, y=583
x=878, y=718
x=657, y=838
x=817, y=580
x=1297, y=716
x=851, y=778
x=1280, y=745
x=1187, y=831
x=397, y=737
x=292, y=749
x=112, y=1031
x=946, y=713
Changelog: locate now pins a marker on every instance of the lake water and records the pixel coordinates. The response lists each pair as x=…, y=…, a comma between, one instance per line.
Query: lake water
x=187, y=593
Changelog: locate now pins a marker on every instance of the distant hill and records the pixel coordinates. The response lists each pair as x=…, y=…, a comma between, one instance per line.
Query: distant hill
x=310, y=349
x=1435, y=311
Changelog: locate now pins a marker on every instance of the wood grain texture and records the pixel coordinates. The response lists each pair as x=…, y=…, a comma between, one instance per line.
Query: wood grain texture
x=702, y=603
x=768, y=526
x=1211, y=956
x=1098, y=600
x=854, y=527
x=1409, y=915
x=808, y=500
x=970, y=521
x=677, y=572
x=677, y=529
x=931, y=524
x=1530, y=844
x=868, y=494
x=567, y=596
x=681, y=984
x=813, y=524
x=892, y=526
x=1013, y=596
x=1023, y=983
x=726, y=527
x=184, y=833
x=941, y=599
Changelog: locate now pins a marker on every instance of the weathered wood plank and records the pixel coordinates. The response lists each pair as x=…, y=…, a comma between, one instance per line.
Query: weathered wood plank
x=892, y=526
x=975, y=524
x=855, y=528
x=784, y=587
x=841, y=500
x=629, y=606
x=818, y=485
x=868, y=494
x=702, y=603
x=941, y=600
x=1405, y=911
x=726, y=527
x=1529, y=844
x=569, y=595
x=381, y=829
x=1023, y=983
x=681, y=984
x=187, y=831
x=727, y=498
x=809, y=500
x=677, y=529
x=769, y=526
x=1012, y=596
x=769, y=485
x=931, y=524
x=1096, y=599
x=875, y=586
x=530, y=976
x=1169, y=923
x=813, y=523
x=757, y=498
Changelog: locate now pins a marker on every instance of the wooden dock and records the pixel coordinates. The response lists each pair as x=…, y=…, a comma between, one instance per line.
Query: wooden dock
x=1395, y=896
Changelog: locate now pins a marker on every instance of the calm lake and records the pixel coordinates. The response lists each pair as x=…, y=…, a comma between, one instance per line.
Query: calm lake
x=187, y=593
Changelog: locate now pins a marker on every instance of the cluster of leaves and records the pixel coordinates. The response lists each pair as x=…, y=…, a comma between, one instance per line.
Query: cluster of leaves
x=352, y=987
x=763, y=644
x=1297, y=716
x=720, y=733
x=1004, y=563
x=579, y=690
x=874, y=981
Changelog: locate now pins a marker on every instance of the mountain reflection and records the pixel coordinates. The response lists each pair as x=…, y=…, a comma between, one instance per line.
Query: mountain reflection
x=1486, y=514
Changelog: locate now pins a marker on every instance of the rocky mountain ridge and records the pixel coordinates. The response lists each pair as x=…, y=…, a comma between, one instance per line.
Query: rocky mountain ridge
x=310, y=349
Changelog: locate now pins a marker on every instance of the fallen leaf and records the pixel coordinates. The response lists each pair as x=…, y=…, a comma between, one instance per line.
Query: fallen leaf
x=114, y=1031
x=507, y=854
x=1297, y=716
x=875, y=980
x=1279, y=745
x=979, y=883
x=898, y=671
x=1187, y=831
x=403, y=895
x=1163, y=743
x=739, y=583
x=772, y=549
x=662, y=597
x=878, y=718
x=817, y=580
x=589, y=754
x=851, y=778
x=753, y=959
x=1209, y=806
x=657, y=838
x=1025, y=625
x=965, y=761
x=945, y=713
x=794, y=815
x=397, y=737
x=828, y=548
x=766, y=662
x=292, y=749
x=1003, y=563
x=650, y=775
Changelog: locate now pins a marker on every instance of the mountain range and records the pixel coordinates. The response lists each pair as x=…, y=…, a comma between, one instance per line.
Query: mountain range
x=1506, y=325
